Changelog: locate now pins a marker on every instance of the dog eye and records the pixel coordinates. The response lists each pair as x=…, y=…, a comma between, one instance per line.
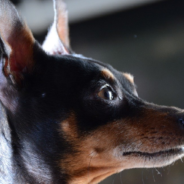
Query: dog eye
x=106, y=93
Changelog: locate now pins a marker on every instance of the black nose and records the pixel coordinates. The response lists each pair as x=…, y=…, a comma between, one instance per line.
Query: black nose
x=181, y=121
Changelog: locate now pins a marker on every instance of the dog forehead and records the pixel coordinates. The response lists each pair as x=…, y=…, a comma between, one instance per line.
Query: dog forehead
x=84, y=70
x=91, y=65
x=82, y=66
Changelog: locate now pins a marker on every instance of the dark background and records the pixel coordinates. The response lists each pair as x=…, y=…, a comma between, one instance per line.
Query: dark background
x=147, y=41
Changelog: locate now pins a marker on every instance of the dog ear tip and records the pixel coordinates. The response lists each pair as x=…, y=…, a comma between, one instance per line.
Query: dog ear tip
x=16, y=41
x=57, y=39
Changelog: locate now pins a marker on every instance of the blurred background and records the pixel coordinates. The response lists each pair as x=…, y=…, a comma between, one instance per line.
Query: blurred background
x=143, y=37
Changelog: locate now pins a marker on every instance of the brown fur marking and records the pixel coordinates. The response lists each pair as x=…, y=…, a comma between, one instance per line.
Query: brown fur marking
x=68, y=128
x=89, y=165
x=107, y=74
x=129, y=77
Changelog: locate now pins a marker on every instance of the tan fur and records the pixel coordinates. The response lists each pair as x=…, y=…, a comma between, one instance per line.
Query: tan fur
x=92, y=160
x=129, y=77
x=107, y=74
x=69, y=128
x=99, y=154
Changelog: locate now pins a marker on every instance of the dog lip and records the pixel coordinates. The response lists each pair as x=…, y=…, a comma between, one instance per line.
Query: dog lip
x=172, y=151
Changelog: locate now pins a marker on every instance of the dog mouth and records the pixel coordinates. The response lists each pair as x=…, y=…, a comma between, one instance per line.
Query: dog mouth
x=164, y=153
x=164, y=157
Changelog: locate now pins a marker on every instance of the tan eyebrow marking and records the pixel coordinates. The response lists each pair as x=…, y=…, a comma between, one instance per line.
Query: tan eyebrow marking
x=107, y=74
x=129, y=77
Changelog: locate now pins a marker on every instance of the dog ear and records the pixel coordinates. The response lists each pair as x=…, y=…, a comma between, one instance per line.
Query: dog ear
x=57, y=40
x=16, y=43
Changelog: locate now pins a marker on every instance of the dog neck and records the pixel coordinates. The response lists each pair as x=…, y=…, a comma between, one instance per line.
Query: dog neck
x=19, y=166
x=6, y=163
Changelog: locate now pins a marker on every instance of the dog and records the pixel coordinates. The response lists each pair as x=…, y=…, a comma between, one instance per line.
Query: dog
x=70, y=119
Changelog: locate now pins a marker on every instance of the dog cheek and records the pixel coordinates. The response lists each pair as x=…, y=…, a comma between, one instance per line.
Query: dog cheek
x=91, y=156
x=68, y=128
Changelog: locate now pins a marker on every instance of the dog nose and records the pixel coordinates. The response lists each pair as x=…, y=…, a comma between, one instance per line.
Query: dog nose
x=181, y=121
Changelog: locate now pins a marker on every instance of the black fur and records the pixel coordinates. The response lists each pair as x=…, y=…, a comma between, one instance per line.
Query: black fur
x=31, y=145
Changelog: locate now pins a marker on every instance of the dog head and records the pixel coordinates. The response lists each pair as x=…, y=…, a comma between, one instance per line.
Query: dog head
x=82, y=118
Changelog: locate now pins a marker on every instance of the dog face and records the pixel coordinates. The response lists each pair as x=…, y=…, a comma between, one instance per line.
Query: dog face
x=82, y=118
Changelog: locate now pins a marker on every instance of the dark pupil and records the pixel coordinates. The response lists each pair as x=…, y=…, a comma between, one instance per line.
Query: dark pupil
x=108, y=94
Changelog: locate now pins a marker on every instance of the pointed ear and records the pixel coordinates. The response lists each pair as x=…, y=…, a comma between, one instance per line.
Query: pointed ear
x=57, y=40
x=16, y=42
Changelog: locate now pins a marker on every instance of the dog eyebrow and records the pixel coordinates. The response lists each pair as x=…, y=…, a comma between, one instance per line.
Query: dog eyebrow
x=107, y=74
x=129, y=77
